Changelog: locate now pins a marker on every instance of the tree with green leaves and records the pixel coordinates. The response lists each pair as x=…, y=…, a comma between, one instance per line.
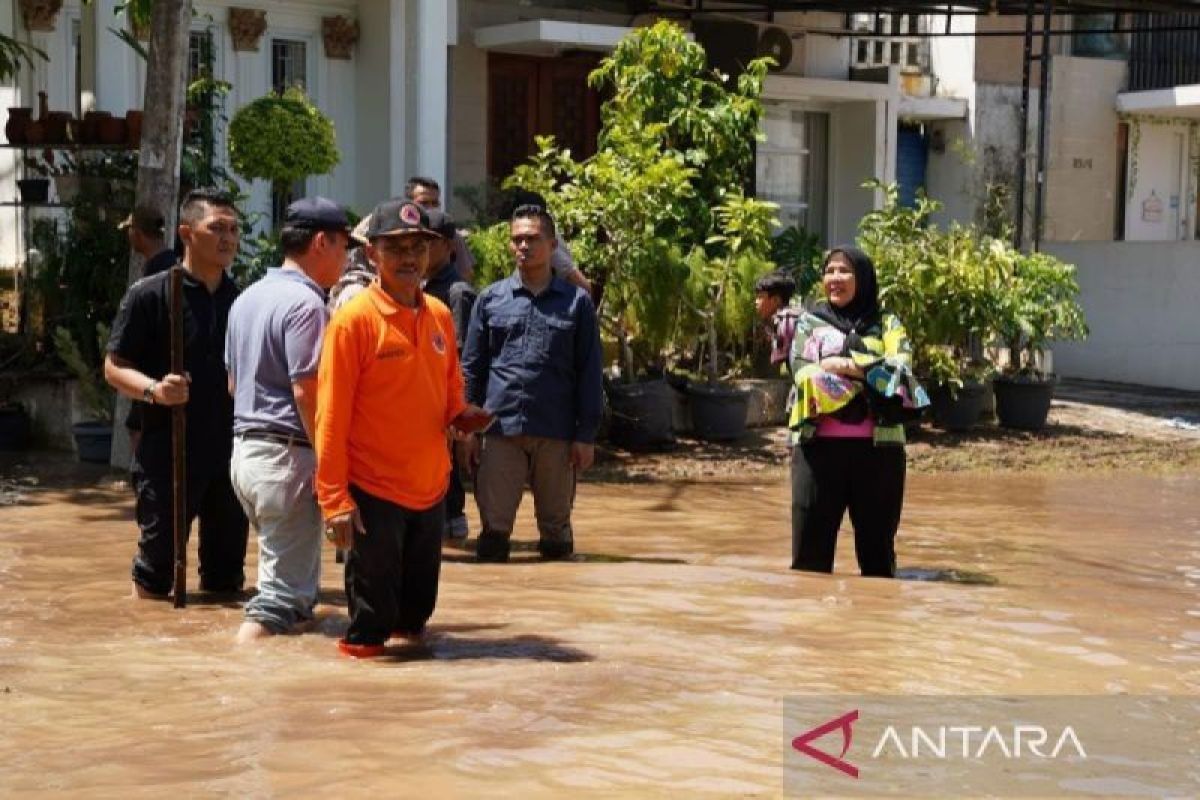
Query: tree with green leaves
x=676, y=144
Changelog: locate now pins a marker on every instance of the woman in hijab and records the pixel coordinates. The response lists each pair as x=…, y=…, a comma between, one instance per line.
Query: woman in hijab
x=854, y=383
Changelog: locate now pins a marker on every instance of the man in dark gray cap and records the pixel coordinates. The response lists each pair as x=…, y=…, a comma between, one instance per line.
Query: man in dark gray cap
x=272, y=350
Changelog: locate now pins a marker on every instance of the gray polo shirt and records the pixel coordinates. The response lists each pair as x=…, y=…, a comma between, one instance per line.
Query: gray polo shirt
x=273, y=340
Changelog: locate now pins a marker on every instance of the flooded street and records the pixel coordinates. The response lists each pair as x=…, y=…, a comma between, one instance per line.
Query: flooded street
x=656, y=664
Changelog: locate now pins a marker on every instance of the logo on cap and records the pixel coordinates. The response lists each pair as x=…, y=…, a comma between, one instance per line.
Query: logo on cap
x=409, y=215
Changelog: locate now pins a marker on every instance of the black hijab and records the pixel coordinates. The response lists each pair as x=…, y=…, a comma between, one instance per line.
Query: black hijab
x=862, y=312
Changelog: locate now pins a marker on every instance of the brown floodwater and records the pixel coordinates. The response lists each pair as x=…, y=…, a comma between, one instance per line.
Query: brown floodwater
x=656, y=664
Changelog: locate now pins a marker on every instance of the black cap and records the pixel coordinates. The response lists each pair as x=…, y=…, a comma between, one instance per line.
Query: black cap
x=441, y=223
x=398, y=218
x=316, y=213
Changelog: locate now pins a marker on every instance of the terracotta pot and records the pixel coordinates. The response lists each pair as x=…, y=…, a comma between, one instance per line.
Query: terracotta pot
x=56, y=127
x=133, y=128
x=35, y=133
x=111, y=130
x=19, y=120
x=89, y=133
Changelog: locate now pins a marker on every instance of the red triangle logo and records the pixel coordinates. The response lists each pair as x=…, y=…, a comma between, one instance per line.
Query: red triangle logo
x=802, y=743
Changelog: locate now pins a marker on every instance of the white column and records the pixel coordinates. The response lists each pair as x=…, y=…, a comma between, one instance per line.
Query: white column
x=115, y=85
x=430, y=93
x=397, y=96
x=10, y=97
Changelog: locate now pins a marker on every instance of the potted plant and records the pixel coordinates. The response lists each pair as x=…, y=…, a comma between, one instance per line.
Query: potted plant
x=93, y=436
x=945, y=285
x=719, y=296
x=282, y=138
x=1040, y=304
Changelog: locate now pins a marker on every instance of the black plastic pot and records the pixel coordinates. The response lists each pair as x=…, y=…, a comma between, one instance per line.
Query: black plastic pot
x=34, y=190
x=640, y=414
x=1023, y=404
x=93, y=441
x=958, y=410
x=718, y=412
x=15, y=428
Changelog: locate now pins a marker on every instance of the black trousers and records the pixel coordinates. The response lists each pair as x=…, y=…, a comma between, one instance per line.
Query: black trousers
x=456, y=495
x=223, y=525
x=392, y=571
x=830, y=476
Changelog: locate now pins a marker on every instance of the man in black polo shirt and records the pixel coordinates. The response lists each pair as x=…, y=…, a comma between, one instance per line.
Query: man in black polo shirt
x=137, y=366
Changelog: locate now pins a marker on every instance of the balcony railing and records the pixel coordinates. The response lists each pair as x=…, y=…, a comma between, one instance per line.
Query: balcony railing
x=1160, y=59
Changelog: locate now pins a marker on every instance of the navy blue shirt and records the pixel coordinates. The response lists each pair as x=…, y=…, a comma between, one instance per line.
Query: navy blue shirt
x=535, y=361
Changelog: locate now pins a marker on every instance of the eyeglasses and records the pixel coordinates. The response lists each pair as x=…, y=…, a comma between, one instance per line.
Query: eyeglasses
x=402, y=249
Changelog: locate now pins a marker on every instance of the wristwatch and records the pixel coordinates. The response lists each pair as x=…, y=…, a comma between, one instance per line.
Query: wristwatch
x=148, y=393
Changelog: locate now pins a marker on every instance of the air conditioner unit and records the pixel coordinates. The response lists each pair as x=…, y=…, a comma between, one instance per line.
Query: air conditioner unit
x=776, y=43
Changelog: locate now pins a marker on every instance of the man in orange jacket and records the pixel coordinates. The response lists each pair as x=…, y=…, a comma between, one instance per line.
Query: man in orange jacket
x=389, y=386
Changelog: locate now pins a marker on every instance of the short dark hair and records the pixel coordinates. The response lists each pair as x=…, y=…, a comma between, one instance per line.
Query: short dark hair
x=415, y=181
x=193, y=208
x=537, y=212
x=778, y=284
x=295, y=241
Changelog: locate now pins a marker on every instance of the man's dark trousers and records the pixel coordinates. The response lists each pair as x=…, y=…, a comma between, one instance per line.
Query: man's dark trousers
x=392, y=571
x=223, y=525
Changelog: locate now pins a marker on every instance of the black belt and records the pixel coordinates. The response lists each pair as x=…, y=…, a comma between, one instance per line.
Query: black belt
x=289, y=439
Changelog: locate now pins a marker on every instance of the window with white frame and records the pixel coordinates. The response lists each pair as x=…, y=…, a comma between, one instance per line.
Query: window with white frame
x=289, y=68
x=791, y=165
x=888, y=40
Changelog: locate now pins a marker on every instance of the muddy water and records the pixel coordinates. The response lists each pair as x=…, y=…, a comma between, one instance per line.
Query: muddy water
x=657, y=665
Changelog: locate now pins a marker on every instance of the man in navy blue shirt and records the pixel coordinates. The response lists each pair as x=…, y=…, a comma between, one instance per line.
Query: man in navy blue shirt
x=532, y=358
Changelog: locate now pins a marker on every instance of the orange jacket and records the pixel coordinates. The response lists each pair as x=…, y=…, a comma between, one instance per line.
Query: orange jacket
x=389, y=383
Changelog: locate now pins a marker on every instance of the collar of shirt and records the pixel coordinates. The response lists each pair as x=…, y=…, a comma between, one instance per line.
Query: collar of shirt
x=297, y=275
x=386, y=305
x=226, y=285
x=515, y=285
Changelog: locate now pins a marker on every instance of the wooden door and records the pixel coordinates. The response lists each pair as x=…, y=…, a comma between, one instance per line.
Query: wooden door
x=530, y=97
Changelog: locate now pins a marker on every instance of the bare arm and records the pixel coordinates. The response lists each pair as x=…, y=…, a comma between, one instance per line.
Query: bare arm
x=120, y=373
x=305, y=392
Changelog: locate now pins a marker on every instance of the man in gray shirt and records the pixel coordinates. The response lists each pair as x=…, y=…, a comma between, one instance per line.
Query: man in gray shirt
x=272, y=350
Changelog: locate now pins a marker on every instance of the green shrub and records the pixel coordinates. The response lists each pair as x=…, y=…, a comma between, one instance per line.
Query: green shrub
x=282, y=138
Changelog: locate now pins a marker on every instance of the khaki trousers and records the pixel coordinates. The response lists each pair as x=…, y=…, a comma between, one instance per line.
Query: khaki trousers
x=506, y=464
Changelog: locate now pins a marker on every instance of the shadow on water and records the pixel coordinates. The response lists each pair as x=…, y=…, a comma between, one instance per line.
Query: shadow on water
x=946, y=575
x=464, y=553
x=439, y=647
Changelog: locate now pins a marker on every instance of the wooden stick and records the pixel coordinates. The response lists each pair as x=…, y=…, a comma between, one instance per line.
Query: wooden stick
x=178, y=443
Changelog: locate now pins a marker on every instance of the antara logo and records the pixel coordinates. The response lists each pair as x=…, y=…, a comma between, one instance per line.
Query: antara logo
x=802, y=743
x=942, y=742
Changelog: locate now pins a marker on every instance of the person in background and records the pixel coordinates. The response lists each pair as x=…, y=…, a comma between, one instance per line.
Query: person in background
x=427, y=193
x=854, y=386
x=272, y=349
x=138, y=366
x=444, y=283
x=532, y=358
x=358, y=273
x=562, y=262
x=146, y=230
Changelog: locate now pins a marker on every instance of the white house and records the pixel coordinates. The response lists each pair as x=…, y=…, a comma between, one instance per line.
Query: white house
x=457, y=89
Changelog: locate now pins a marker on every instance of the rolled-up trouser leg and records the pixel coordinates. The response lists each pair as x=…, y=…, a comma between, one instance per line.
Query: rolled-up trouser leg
x=274, y=484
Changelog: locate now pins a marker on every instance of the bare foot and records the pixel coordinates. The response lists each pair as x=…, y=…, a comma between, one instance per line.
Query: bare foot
x=142, y=593
x=251, y=631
